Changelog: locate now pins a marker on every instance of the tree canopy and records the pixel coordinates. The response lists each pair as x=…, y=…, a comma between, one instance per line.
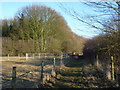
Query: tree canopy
x=44, y=28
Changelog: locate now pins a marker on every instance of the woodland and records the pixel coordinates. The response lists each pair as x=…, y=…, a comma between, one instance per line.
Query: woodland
x=38, y=29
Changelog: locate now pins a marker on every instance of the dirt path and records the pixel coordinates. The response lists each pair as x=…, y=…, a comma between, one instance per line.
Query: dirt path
x=80, y=74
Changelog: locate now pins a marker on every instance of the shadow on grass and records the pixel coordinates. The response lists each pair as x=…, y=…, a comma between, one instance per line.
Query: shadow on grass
x=71, y=74
x=59, y=85
x=80, y=62
x=21, y=83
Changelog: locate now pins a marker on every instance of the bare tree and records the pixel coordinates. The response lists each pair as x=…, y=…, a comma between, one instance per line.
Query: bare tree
x=104, y=11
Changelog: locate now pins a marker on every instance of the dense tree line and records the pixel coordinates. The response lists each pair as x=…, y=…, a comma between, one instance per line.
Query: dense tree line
x=37, y=29
x=102, y=45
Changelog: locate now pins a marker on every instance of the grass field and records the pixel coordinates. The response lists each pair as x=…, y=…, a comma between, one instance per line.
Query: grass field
x=28, y=71
x=73, y=74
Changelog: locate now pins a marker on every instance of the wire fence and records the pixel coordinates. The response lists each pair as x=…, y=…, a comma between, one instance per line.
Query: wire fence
x=35, y=70
x=32, y=70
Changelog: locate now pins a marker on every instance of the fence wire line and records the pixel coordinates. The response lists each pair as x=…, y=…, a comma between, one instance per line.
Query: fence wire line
x=36, y=63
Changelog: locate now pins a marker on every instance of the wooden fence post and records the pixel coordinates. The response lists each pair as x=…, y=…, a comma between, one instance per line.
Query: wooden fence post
x=61, y=63
x=19, y=56
x=97, y=63
x=112, y=68
x=54, y=63
x=45, y=56
x=13, y=77
x=26, y=56
x=41, y=77
x=8, y=57
x=53, y=72
x=53, y=68
x=108, y=73
x=33, y=56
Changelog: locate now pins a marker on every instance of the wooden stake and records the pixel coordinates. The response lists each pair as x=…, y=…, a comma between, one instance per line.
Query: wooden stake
x=8, y=57
x=33, y=56
x=112, y=68
x=61, y=63
x=19, y=56
x=41, y=77
x=97, y=60
x=26, y=56
x=54, y=62
x=13, y=77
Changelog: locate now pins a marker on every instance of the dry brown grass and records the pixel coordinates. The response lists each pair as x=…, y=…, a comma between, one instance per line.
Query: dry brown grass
x=74, y=75
x=28, y=71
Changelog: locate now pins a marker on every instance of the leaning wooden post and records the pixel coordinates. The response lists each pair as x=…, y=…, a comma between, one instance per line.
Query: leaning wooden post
x=112, y=68
x=41, y=77
x=13, y=77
